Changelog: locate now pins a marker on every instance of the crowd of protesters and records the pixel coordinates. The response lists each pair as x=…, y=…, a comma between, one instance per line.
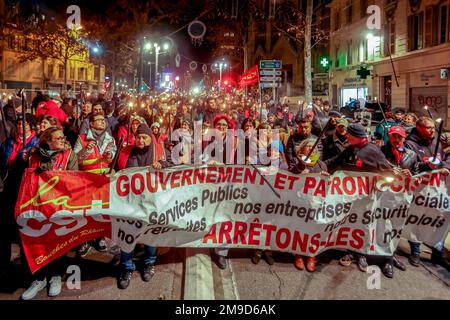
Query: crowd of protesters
x=93, y=134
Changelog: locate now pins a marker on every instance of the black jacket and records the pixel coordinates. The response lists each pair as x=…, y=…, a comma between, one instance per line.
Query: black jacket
x=369, y=158
x=408, y=161
x=333, y=146
x=424, y=149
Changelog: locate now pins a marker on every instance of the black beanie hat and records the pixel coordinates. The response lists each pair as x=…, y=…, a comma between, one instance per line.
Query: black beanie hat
x=29, y=118
x=334, y=113
x=144, y=129
x=357, y=130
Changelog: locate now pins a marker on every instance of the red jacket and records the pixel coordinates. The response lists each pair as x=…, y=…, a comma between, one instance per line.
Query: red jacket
x=123, y=132
x=158, y=145
x=51, y=109
x=60, y=164
x=123, y=157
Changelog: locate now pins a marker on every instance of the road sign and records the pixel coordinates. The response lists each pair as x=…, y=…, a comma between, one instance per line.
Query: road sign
x=270, y=72
x=265, y=79
x=270, y=64
x=320, y=75
x=269, y=85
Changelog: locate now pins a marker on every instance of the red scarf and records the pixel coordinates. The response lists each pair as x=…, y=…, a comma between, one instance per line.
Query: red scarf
x=397, y=155
x=18, y=146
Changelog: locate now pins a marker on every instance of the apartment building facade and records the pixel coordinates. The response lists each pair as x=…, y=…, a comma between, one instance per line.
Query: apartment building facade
x=47, y=74
x=407, y=57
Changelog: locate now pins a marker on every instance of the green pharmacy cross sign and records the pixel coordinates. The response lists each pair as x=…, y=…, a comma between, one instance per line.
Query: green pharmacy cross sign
x=362, y=72
x=324, y=62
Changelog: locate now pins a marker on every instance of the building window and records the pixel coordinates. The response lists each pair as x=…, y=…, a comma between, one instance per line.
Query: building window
x=80, y=73
x=10, y=42
x=96, y=73
x=50, y=71
x=431, y=26
x=10, y=67
x=389, y=38
x=336, y=56
x=363, y=8
x=415, y=32
x=349, y=53
x=72, y=73
x=443, y=25
x=448, y=25
x=336, y=20
x=364, y=55
x=349, y=12
x=60, y=71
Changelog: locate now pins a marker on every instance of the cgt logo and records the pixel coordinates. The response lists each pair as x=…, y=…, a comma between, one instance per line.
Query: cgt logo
x=63, y=203
x=36, y=224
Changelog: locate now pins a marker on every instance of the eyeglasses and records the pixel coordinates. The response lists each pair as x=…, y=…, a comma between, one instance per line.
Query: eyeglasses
x=222, y=124
x=101, y=119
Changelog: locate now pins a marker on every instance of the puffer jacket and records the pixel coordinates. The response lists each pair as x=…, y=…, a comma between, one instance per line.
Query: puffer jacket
x=408, y=160
x=50, y=108
x=424, y=150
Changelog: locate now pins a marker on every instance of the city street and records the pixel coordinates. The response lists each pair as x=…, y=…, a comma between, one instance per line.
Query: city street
x=242, y=280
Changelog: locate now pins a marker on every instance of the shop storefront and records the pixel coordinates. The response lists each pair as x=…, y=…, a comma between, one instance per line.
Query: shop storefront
x=353, y=89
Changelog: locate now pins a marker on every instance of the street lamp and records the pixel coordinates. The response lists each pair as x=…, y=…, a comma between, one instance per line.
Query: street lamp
x=157, y=48
x=148, y=46
x=221, y=65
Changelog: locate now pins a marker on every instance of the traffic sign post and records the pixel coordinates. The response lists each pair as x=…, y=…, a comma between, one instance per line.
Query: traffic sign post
x=269, y=76
x=270, y=72
x=270, y=64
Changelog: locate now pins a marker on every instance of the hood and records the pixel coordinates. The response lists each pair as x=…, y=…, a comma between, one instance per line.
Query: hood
x=50, y=105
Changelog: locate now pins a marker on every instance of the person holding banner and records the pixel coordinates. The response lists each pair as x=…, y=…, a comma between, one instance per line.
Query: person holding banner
x=315, y=165
x=337, y=142
x=445, y=140
x=95, y=150
x=405, y=161
x=140, y=155
x=303, y=132
x=13, y=161
x=222, y=125
x=54, y=153
x=424, y=142
x=361, y=156
x=158, y=141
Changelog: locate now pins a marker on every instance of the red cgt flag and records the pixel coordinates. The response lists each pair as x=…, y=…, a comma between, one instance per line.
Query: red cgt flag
x=250, y=77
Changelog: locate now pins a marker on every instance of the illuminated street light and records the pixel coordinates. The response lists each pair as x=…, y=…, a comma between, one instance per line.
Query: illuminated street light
x=148, y=46
x=166, y=46
x=221, y=64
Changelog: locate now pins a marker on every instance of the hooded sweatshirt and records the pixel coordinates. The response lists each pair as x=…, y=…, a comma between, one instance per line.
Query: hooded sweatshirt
x=51, y=109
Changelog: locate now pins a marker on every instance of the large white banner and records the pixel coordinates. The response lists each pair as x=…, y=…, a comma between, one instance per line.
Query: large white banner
x=233, y=206
x=230, y=207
